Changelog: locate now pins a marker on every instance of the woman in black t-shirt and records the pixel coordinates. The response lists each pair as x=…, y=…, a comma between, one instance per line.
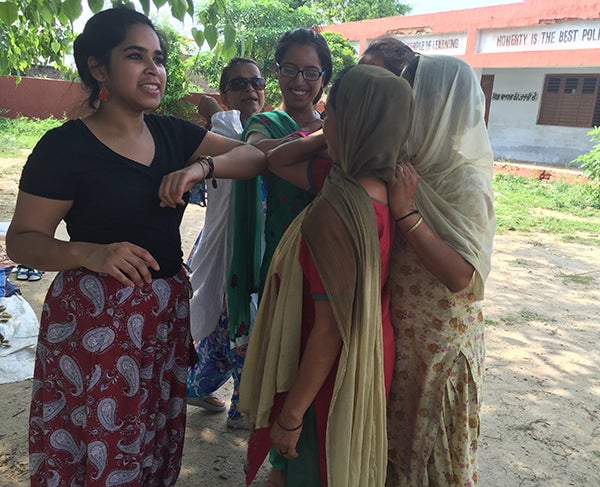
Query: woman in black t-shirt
x=108, y=404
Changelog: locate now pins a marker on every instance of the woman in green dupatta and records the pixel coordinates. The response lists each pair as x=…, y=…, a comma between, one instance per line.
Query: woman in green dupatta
x=303, y=67
x=319, y=359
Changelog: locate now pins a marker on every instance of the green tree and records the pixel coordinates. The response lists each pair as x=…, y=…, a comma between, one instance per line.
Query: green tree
x=35, y=32
x=248, y=28
x=219, y=26
x=178, y=84
x=258, y=25
x=340, y=11
x=342, y=52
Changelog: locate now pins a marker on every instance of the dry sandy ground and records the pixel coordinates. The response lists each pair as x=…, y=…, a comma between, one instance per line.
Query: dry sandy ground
x=541, y=413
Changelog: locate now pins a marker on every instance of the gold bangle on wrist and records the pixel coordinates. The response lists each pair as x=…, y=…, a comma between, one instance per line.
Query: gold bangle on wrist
x=416, y=225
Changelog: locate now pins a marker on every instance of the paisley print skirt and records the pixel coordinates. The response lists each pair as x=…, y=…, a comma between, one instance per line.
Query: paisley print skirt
x=108, y=402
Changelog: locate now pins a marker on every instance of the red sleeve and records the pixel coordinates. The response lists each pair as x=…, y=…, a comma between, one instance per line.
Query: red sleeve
x=311, y=275
x=318, y=170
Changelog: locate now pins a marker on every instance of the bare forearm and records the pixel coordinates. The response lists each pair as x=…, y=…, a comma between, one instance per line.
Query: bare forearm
x=242, y=162
x=265, y=145
x=294, y=152
x=439, y=258
x=44, y=252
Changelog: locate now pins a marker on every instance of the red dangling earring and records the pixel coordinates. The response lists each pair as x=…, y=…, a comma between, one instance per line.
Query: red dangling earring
x=103, y=94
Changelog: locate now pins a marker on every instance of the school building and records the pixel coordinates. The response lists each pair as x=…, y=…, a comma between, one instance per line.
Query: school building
x=538, y=62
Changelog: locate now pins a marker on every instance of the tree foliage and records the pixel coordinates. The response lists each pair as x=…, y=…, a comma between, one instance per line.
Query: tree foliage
x=34, y=32
x=342, y=52
x=219, y=19
x=590, y=161
x=178, y=84
x=339, y=11
x=255, y=26
x=40, y=32
x=258, y=25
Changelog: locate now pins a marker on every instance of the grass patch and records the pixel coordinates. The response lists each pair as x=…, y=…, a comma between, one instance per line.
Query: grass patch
x=569, y=210
x=22, y=133
x=527, y=316
x=11, y=170
x=584, y=279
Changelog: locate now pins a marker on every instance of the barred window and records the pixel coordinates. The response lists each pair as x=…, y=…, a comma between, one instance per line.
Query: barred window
x=571, y=100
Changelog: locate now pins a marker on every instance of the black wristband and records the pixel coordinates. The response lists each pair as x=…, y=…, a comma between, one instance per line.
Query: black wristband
x=414, y=212
x=289, y=429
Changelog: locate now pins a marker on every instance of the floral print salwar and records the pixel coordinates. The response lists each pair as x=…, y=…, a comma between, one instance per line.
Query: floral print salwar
x=434, y=403
x=108, y=405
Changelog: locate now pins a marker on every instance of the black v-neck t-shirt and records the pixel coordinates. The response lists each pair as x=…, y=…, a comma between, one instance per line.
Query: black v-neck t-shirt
x=115, y=199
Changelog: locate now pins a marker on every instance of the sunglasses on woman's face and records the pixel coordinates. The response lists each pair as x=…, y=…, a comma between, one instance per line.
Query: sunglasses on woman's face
x=239, y=84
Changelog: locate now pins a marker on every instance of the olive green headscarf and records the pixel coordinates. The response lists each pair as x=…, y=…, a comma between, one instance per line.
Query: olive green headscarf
x=373, y=109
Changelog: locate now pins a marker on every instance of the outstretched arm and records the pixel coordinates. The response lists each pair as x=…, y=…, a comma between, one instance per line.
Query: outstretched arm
x=263, y=143
x=291, y=160
x=232, y=159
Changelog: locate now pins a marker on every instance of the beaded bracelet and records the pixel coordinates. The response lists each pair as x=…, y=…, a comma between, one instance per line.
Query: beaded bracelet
x=414, y=227
x=289, y=429
x=211, y=168
x=205, y=168
x=414, y=212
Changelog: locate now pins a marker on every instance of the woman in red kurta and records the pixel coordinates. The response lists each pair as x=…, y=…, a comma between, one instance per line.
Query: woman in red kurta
x=314, y=290
x=318, y=336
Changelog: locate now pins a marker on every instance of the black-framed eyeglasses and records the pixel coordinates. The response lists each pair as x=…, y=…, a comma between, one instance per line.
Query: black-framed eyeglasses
x=309, y=74
x=240, y=84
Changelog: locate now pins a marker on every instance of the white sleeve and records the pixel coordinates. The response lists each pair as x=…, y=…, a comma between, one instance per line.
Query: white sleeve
x=227, y=123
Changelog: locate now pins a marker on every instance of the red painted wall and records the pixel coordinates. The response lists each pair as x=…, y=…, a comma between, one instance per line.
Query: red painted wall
x=40, y=98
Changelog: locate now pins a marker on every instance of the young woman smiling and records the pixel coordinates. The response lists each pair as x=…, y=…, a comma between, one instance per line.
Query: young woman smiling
x=108, y=402
x=303, y=67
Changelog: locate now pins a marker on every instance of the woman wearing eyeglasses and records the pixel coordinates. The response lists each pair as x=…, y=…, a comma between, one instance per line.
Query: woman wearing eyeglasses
x=303, y=67
x=242, y=90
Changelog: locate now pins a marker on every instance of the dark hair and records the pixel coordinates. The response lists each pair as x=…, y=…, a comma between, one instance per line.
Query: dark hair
x=101, y=34
x=307, y=37
x=235, y=61
x=393, y=53
x=332, y=94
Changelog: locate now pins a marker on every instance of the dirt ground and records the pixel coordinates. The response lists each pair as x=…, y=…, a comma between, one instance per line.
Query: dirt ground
x=541, y=411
